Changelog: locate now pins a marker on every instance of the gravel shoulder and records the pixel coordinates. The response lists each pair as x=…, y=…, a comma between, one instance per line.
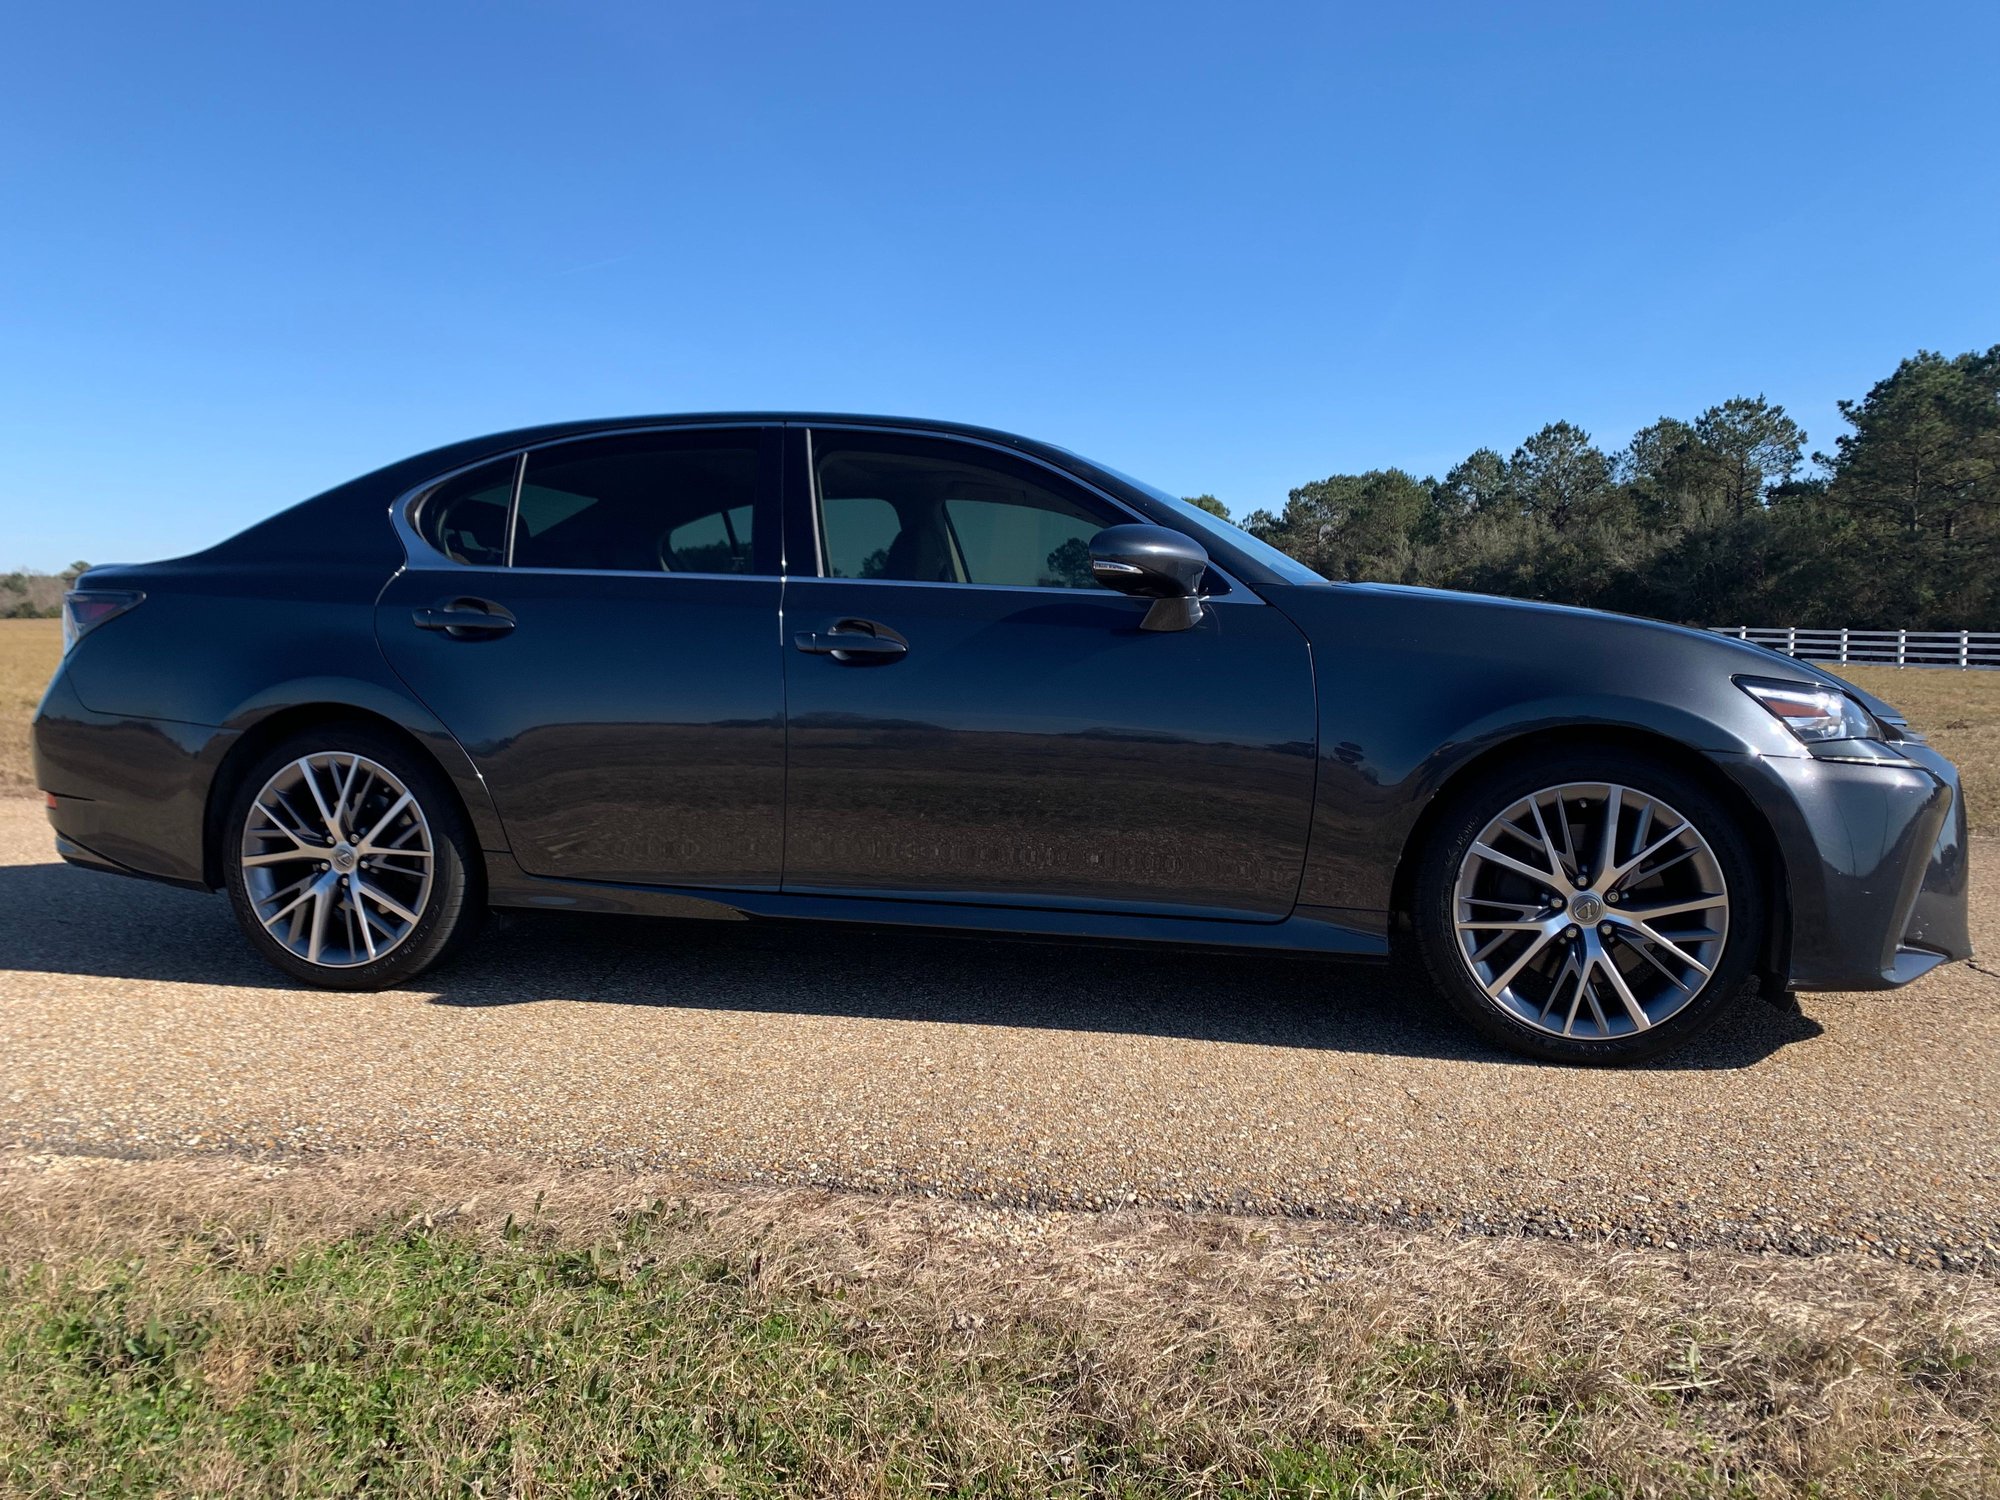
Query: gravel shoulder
x=134, y=1021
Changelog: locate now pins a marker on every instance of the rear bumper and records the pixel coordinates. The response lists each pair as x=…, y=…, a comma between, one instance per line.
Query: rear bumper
x=130, y=795
x=1874, y=860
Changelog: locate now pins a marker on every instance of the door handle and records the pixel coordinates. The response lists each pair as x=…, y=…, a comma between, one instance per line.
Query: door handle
x=464, y=619
x=853, y=641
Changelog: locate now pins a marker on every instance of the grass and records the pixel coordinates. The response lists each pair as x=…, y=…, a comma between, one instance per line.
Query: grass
x=203, y=1327
x=29, y=650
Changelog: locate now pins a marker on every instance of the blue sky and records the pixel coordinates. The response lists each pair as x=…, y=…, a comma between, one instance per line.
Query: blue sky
x=249, y=251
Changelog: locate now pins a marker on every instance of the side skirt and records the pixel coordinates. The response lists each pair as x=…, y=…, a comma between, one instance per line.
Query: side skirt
x=1350, y=934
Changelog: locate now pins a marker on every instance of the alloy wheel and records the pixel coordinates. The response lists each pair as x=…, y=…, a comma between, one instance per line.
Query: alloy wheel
x=1591, y=910
x=337, y=859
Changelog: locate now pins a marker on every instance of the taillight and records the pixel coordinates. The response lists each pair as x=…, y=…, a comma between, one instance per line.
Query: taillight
x=86, y=609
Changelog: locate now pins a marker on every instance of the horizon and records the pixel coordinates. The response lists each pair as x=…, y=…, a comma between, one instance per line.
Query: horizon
x=1230, y=255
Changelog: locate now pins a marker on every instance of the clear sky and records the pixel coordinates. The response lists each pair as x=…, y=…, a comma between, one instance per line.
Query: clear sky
x=249, y=251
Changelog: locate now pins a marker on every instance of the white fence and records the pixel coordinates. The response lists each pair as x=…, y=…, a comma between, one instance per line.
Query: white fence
x=1889, y=648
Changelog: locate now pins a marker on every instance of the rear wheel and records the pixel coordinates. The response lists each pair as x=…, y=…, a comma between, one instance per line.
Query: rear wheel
x=1589, y=907
x=348, y=863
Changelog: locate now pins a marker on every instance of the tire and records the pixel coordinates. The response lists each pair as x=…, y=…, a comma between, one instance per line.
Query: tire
x=1639, y=949
x=335, y=913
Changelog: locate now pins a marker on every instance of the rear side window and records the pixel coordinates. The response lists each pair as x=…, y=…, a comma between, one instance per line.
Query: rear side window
x=466, y=518
x=649, y=503
x=925, y=511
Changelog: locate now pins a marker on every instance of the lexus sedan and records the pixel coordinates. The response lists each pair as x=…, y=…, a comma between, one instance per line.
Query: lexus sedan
x=895, y=672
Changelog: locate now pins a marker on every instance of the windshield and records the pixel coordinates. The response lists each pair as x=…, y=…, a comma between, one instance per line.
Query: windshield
x=1216, y=529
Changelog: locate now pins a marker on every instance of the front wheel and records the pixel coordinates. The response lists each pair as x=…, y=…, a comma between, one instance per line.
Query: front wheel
x=348, y=863
x=1595, y=907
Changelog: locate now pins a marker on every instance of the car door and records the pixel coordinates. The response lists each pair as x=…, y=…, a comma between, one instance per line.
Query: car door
x=596, y=621
x=971, y=718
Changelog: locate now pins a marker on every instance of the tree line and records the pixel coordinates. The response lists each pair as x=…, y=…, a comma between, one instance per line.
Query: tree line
x=1717, y=520
x=36, y=596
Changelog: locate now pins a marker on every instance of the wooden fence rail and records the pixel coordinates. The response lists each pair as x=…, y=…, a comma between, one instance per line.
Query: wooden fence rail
x=1961, y=649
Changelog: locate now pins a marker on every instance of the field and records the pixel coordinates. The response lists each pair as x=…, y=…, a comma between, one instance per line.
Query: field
x=28, y=653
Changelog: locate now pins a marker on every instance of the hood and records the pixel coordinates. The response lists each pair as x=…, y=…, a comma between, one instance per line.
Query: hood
x=1749, y=657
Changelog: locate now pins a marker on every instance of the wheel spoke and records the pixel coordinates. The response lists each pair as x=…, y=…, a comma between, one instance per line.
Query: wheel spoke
x=1670, y=909
x=1642, y=856
x=279, y=824
x=1556, y=861
x=367, y=931
x=1506, y=976
x=1569, y=865
x=1649, y=935
x=319, y=799
x=386, y=902
x=1673, y=979
x=322, y=904
x=1519, y=867
x=1556, y=988
x=1590, y=998
x=305, y=888
x=366, y=845
x=1626, y=998
x=1607, y=842
x=281, y=857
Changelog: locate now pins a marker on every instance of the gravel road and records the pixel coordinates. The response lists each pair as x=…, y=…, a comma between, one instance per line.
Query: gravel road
x=132, y=1019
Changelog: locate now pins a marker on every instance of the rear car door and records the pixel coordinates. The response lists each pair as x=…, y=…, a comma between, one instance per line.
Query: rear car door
x=1014, y=737
x=596, y=621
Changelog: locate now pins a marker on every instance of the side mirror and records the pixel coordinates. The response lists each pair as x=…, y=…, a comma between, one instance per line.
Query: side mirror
x=1154, y=563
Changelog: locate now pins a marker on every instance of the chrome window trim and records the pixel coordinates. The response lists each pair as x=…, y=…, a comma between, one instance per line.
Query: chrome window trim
x=1008, y=588
x=1237, y=591
x=417, y=551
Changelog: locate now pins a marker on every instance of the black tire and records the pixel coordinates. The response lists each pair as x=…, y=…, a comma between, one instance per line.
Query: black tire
x=1473, y=807
x=453, y=902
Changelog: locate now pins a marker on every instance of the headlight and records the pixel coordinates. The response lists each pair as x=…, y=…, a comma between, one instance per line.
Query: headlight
x=1813, y=714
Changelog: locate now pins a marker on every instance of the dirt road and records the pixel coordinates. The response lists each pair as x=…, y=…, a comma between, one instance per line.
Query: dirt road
x=133, y=1019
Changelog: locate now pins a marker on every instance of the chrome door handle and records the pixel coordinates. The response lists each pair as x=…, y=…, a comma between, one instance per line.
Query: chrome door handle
x=855, y=641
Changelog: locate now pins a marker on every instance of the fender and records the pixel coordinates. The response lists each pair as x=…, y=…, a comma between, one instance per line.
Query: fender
x=394, y=704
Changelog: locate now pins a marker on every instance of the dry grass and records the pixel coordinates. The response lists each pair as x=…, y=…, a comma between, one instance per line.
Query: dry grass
x=29, y=650
x=219, y=1328
x=1960, y=712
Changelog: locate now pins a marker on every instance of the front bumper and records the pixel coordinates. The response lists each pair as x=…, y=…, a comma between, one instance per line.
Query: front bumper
x=1874, y=863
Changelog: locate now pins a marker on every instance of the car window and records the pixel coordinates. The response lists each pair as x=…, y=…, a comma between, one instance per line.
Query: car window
x=925, y=511
x=859, y=529
x=466, y=518
x=648, y=503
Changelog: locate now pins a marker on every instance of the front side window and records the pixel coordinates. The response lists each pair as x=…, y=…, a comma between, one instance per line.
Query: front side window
x=917, y=510
x=647, y=503
x=466, y=518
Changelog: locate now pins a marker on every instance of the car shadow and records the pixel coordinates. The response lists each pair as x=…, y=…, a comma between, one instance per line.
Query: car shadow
x=58, y=920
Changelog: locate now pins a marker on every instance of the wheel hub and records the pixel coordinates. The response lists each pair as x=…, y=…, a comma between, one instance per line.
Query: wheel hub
x=1586, y=910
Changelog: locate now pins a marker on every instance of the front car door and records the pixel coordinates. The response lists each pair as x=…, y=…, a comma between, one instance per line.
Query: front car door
x=596, y=621
x=1015, y=738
